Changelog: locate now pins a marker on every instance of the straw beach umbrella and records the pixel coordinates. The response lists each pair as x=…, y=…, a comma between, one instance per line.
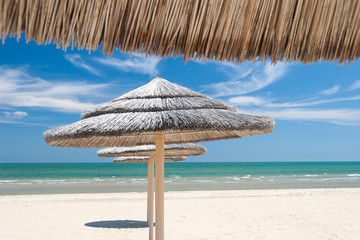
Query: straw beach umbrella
x=145, y=153
x=159, y=112
x=186, y=149
x=143, y=159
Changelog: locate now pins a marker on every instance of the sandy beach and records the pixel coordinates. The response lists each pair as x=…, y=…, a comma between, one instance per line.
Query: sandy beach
x=248, y=214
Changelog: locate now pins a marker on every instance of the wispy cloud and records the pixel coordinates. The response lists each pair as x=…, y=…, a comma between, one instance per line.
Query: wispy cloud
x=15, y=115
x=135, y=64
x=336, y=116
x=246, y=78
x=20, y=89
x=7, y=121
x=354, y=86
x=300, y=110
x=12, y=117
x=260, y=101
x=77, y=61
x=330, y=91
x=236, y=72
x=313, y=103
x=248, y=101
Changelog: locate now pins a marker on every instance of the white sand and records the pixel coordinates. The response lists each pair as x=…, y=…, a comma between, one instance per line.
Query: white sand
x=253, y=214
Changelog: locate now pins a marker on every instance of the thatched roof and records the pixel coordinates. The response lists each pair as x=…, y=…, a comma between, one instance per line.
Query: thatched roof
x=160, y=96
x=104, y=128
x=233, y=30
x=187, y=149
x=137, y=159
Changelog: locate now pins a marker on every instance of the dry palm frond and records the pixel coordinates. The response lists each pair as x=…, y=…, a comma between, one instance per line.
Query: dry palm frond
x=231, y=30
x=158, y=96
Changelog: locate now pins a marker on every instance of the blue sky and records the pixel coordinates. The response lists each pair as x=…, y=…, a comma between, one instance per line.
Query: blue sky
x=316, y=107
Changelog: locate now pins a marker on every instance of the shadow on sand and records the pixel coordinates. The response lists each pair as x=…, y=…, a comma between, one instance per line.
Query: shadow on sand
x=118, y=224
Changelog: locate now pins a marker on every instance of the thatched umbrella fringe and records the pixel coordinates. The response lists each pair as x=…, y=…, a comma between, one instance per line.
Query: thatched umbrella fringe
x=224, y=30
x=156, y=104
x=96, y=141
x=199, y=124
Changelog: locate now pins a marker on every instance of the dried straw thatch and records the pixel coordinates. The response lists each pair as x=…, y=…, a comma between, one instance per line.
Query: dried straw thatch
x=156, y=104
x=141, y=159
x=115, y=127
x=171, y=150
x=233, y=30
x=160, y=96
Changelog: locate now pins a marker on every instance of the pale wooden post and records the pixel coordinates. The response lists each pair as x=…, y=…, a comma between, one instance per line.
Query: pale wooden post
x=159, y=185
x=150, y=196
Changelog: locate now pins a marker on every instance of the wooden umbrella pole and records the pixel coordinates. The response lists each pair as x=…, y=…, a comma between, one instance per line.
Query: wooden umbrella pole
x=150, y=196
x=159, y=185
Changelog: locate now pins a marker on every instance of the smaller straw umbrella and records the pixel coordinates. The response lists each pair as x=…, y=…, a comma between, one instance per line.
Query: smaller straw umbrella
x=171, y=150
x=143, y=159
x=145, y=153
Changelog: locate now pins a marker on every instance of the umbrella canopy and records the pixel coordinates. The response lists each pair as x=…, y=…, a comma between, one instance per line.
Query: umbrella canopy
x=180, y=113
x=232, y=30
x=187, y=149
x=143, y=159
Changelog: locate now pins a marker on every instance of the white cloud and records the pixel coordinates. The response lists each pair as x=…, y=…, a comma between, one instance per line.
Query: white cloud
x=135, y=64
x=246, y=78
x=330, y=91
x=336, y=116
x=313, y=103
x=12, y=117
x=259, y=101
x=15, y=115
x=355, y=86
x=300, y=110
x=234, y=71
x=77, y=61
x=247, y=101
x=7, y=121
x=20, y=89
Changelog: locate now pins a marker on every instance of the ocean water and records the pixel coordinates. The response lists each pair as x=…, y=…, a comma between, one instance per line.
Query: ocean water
x=37, y=178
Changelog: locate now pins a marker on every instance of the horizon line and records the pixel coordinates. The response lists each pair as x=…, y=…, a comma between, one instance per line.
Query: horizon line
x=317, y=161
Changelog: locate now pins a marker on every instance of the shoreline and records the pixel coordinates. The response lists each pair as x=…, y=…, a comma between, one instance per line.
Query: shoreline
x=313, y=214
x=203, y=193
x=101, y=188
x=115, y=187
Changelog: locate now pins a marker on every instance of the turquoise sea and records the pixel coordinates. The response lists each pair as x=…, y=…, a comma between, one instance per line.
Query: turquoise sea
x=36, y=178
